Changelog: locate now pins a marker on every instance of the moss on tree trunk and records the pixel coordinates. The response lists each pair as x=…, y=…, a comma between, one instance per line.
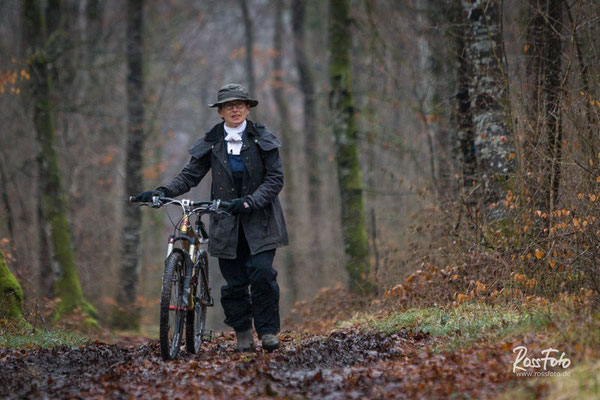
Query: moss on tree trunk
x=54, y=207
x=348, y=168
x=11, y=295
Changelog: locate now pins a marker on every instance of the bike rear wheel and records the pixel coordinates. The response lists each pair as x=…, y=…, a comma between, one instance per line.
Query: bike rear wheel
x=196, y=318
x=172, y=310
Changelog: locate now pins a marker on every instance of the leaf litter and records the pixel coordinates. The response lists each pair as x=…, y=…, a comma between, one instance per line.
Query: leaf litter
x=344, y=364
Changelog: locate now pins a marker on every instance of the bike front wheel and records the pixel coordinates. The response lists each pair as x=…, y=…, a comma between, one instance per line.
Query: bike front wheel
x=196, y=318
x=172, y=309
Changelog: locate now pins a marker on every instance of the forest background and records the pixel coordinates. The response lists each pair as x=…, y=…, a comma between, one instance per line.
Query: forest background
x=472, y=129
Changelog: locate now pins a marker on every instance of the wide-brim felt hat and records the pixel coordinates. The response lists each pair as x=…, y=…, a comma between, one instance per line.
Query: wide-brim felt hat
x=231, y=92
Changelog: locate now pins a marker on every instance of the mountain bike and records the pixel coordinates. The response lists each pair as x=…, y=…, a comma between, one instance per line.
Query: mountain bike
x=185, y=293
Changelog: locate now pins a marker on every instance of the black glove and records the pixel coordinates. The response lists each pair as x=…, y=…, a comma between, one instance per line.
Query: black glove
x=240, y=206
x=146, y=197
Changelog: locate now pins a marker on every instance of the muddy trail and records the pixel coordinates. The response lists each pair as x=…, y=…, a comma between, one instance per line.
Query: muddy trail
x=345, y=364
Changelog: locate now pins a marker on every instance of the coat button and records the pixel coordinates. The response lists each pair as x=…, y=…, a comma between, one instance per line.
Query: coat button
x=221, y=188
x=232, y=189
x=255, y=141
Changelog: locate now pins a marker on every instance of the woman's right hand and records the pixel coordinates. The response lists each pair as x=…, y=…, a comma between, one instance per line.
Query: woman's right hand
x=146, y=197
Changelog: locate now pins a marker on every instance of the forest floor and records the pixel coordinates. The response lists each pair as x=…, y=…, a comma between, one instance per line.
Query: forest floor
x=344, y=364
x=459, y=352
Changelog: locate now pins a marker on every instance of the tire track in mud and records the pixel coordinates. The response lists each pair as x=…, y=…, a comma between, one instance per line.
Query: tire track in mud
x=344, y=364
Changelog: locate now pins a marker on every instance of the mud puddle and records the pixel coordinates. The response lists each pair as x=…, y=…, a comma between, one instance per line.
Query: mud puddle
x=345, y=364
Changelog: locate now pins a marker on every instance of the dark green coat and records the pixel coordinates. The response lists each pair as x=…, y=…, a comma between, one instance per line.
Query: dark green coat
x=263, y=180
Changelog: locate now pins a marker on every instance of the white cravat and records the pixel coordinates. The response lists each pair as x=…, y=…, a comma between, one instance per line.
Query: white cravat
x=233, y=137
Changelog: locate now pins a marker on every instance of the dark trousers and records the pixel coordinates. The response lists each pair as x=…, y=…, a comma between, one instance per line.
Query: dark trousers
x=251, y=291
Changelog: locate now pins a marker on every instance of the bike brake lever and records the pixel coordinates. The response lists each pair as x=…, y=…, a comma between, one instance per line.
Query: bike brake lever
x=143, y=205
x=156, y=203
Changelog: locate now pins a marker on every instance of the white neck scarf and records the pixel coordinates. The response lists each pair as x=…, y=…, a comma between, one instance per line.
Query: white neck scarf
x=233, y=137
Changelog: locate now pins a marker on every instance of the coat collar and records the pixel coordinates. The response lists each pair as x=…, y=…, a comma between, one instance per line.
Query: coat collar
x=218, y=131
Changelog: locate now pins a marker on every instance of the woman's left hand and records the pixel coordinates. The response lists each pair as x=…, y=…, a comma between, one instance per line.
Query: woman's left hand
x=240, y=206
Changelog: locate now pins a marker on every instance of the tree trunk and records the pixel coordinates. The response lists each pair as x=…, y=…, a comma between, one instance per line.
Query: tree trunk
x=48, y=268
x=465, y=132
x=126, y=315
x=433, y=57
x=249, y=36
x=94, y=10
x=6, y=203
x=345, y=134
x=11, y=295
x=591, y=115
x=54, y=206
x=307, y=87
x=374, y=80
x=287, y=135
x=489, y=102
x=552, y=95
x=534, y=50
x=544, y=140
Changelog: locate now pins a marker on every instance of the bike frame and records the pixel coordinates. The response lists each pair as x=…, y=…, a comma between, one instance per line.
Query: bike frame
x=190, y=240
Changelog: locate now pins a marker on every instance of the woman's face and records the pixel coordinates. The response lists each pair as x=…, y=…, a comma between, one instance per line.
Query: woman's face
x=234, y=112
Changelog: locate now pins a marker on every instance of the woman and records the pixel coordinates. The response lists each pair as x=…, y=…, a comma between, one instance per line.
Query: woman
x=246, y=170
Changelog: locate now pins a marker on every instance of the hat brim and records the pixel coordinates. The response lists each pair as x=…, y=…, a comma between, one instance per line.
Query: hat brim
x=251, y=102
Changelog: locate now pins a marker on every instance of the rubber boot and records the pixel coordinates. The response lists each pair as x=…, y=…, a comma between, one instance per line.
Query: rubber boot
x=269, y=342
x=245, y=341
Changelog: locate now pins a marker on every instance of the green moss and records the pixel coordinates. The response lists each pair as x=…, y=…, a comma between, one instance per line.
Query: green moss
x=11, y=295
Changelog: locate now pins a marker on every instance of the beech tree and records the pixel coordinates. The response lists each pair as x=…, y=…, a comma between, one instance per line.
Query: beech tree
x=249, y=43
x=127, y=314
x=287, y=134
x=341, y=104
x=309, y=117
x=41, y=38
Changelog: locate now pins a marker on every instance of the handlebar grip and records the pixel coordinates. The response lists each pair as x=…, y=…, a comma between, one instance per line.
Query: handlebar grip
x=132, y=199
x=224, y=204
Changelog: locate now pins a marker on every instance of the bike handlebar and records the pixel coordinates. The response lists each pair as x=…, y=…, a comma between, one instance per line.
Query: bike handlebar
x=222, y=204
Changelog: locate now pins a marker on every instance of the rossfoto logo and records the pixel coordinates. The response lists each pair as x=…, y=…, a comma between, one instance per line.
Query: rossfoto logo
x=538, y=366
